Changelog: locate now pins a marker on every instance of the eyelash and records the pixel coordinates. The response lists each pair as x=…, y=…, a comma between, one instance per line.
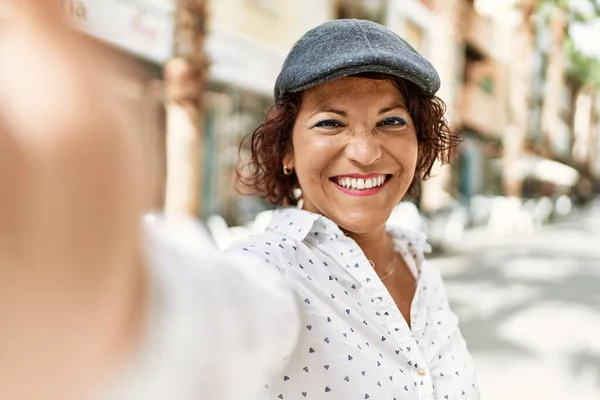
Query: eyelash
x=396, y=121
x=329, y=124
x=332, y=123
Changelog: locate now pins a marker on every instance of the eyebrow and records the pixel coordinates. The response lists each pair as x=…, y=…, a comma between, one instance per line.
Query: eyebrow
x=332, y=110
x=392, y=107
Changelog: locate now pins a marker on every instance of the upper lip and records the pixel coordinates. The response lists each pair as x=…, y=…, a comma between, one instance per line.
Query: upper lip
x=360, y=176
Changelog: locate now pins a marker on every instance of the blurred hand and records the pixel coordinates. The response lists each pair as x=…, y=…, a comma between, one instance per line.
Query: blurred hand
x=72, y=190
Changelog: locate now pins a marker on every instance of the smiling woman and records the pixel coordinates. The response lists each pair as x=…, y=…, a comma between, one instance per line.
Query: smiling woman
x=356, y=126
x=328, y=303
x=353, y=129
x=272, y=140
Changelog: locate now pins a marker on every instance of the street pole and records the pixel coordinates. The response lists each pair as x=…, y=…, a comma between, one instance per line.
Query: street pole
x=185, y=79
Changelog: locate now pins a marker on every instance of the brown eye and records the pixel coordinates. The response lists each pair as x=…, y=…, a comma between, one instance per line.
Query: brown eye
x=329, y=123
x=394, y=121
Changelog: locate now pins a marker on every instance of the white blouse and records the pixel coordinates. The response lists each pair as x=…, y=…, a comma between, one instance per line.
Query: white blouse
x=353, y=342
x=214, y=326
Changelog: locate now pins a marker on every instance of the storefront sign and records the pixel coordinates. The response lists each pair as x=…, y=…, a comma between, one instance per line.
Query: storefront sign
x=142, y=27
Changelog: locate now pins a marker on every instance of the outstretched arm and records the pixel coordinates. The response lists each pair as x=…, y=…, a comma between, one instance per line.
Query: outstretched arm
x=72, y=193
x=76, y=288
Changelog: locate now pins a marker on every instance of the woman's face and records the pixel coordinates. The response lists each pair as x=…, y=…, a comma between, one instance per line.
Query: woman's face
x=355, y=151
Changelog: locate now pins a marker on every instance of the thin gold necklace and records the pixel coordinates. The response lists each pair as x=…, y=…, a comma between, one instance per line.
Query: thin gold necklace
x=391, y=271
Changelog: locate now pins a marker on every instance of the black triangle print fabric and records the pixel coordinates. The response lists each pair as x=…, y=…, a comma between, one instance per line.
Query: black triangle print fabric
x=354, y=343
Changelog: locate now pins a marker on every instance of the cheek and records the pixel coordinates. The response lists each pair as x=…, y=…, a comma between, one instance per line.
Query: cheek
x=406, y=151
x=312, y=157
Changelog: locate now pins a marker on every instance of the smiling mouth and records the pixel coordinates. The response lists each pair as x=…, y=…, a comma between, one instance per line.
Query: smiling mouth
x=361, y=185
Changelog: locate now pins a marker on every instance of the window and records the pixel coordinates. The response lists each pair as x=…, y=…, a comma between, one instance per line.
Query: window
x=414, y=35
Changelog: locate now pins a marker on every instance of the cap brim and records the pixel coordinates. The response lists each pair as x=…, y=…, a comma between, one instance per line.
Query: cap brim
x=427, y=87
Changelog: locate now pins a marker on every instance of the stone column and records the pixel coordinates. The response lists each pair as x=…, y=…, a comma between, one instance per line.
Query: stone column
x=185, y=78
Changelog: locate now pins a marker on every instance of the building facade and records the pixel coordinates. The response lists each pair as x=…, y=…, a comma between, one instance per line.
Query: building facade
x=482, y=106
x=246, y=46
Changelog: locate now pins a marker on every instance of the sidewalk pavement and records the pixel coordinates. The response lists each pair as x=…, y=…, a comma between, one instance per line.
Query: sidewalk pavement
x=529, y=308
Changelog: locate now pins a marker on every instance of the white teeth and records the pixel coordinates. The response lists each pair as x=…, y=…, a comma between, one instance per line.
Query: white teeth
x=361, y=184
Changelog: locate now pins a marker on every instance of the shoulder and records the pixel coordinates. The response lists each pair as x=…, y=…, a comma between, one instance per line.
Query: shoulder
x=413, y=238
x=437, y=296
x=411, y=242
x=183, y=258
x=271, y=247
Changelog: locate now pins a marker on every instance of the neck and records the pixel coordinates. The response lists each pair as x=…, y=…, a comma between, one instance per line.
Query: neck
x=377, y=245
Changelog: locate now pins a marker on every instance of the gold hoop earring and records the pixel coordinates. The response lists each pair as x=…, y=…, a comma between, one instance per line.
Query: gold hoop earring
x=287, y=170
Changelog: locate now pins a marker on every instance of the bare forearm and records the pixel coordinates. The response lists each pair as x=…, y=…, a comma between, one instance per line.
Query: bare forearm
x=70, y=206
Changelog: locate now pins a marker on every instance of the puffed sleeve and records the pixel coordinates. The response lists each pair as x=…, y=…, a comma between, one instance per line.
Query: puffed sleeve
x=220, y=326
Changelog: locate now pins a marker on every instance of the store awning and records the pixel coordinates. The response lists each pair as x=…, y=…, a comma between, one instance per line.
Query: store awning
x=544, y=169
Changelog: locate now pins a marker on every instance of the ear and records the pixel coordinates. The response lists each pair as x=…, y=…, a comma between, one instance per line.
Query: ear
x=288, y=160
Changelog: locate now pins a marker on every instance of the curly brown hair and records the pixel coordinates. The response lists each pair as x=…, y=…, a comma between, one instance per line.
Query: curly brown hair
x=272, y=140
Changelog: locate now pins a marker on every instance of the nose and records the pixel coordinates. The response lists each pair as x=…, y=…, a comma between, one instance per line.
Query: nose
x=365, y=150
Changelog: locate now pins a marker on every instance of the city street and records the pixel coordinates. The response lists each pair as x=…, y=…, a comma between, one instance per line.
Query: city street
x=530, y=309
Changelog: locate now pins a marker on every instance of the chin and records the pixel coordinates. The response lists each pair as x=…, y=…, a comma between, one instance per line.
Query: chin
x=362, y=222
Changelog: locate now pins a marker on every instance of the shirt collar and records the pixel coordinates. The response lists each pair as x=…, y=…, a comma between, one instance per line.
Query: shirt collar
x=298, y=224
x=415, y=239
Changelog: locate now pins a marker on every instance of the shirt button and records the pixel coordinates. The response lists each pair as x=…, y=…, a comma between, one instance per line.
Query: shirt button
x=421, y=371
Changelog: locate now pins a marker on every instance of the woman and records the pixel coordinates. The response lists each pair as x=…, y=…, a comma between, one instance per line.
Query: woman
x=356, y=124
x=93, y=309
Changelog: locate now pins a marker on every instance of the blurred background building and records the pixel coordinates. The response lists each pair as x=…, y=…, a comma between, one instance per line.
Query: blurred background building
x=520, y=79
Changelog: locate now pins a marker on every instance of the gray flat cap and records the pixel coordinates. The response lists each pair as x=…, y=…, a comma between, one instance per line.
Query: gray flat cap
x=348, y=47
